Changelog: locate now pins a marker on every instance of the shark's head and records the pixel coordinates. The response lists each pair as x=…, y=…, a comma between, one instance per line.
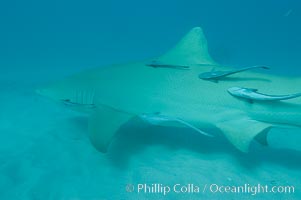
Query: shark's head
x=235, y=90
x=79, y=98
x=241, y=90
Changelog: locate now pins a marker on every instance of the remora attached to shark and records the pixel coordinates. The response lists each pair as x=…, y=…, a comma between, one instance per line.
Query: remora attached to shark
x=119, y=93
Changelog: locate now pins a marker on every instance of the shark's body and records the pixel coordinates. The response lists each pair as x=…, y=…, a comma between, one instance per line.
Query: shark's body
x=120, y=93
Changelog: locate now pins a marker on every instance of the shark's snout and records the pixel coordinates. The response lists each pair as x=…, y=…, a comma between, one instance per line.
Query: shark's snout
x=234, y=89
x=51, y=91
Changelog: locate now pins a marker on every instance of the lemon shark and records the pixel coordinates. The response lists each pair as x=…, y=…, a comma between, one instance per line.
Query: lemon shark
x=116, y=94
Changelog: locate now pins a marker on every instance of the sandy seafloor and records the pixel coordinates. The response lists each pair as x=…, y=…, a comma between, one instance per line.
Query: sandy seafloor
x=45, y=153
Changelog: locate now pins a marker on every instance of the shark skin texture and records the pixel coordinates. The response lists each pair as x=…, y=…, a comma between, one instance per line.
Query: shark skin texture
x=120, y=93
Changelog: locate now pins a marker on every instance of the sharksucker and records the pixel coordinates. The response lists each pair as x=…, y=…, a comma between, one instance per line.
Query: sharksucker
x=217, y=75
x=157, y=64
x=158, y=119
x=251, y=95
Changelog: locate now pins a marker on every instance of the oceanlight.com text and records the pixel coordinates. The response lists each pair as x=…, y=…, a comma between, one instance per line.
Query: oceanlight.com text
x=163, y=189
x=250, y=189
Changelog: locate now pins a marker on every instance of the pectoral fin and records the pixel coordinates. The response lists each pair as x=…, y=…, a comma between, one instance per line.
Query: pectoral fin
x=103, y=125
x=241, y=132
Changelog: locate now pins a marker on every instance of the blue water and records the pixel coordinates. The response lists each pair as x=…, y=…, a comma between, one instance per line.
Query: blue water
x=44, y=149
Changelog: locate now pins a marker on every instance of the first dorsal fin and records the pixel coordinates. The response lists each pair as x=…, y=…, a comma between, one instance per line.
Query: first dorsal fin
x=192, y=49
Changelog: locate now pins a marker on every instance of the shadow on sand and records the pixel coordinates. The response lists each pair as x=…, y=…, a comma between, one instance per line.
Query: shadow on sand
x=133, y=138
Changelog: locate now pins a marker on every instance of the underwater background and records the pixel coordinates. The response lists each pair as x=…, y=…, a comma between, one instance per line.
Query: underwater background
x=44, y=149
